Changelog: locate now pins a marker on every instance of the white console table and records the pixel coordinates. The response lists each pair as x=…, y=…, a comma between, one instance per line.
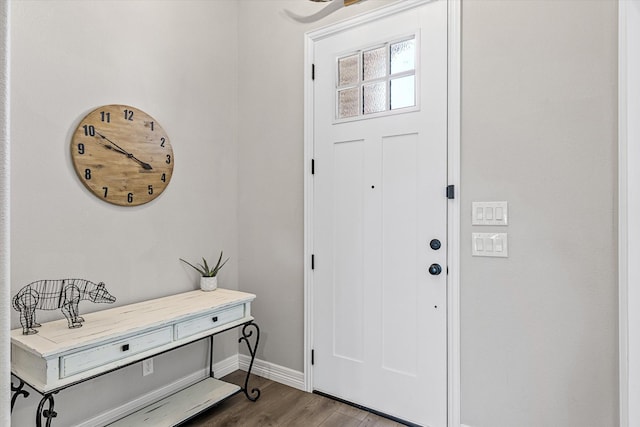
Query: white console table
x=58, y=357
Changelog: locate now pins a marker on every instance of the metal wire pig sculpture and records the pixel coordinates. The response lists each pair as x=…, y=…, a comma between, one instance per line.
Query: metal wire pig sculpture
x=64, y=294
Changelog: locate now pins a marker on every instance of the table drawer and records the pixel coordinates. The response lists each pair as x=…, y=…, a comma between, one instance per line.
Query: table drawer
x=101, y=355
x=210, y=321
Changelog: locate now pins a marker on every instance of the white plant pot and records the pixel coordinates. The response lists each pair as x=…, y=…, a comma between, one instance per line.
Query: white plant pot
x=209, y=283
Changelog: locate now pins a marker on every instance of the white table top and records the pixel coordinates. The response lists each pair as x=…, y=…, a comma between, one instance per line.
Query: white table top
x=56, y=337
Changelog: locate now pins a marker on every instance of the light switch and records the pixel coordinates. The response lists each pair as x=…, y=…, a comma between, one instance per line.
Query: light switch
x=490, y=245
x=489, y=213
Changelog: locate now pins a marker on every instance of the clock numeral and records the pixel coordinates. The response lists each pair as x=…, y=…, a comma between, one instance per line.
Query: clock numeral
x=106, y=191
x=81, y=148
x=89, y=130
x=163, y=178
x=162, y=141
x=151, y=123
x=130, y=197
x=87, y=174
x=128, y=115
x=150, y=189
x=168, y=159
x=105, y=117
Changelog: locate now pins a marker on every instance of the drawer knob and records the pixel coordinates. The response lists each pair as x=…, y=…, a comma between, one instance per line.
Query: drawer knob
x=125, y=347
x=214, y=318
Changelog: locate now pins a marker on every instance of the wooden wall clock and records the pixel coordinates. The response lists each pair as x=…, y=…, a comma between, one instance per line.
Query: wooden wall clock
x=122, y=155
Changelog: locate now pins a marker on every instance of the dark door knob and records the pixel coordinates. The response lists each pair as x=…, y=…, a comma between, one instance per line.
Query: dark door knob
x=435, y=244
x=435, y=269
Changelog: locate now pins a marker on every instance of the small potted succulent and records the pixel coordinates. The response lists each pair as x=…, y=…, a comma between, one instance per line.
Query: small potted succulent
x=208, y=276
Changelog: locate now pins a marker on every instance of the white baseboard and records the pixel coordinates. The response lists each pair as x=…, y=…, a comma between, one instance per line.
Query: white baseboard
x=226, y=366
x=231, y=364
x=273, y=372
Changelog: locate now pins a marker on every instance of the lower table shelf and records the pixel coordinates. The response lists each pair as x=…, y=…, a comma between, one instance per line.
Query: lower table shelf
x=180, y=406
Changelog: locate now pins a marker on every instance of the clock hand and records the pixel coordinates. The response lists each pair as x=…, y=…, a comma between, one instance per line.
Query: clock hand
x=115, y=149
x=109, y=147
x=119, y=149
x=144, y=165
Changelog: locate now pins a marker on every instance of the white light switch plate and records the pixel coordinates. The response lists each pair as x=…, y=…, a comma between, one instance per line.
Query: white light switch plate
x=489, y=213
x=490, y=244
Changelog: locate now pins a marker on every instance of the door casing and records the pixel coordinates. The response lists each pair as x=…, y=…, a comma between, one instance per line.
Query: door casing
x=628, y=208
x=453, y=172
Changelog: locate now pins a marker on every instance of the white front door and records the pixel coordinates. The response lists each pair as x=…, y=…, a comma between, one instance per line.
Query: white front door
x=380, y=215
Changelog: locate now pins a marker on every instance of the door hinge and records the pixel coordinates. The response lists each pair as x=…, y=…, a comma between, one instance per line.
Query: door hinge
x=313, y=357
x=313, y=261
x=313, y=166
x=313, y=71
x=451, y=192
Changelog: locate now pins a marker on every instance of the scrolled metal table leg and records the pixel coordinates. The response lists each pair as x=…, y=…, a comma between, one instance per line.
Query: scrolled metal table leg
x=47, y=414
x=246, y=334
x=18, y=390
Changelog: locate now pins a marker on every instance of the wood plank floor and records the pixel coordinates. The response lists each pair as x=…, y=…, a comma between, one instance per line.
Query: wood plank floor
x=280, y=405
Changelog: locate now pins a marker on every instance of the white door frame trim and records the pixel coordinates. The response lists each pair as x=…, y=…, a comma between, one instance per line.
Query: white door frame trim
x=628, y=209
x=454, y=28
x=622, y=219
x=453, y=171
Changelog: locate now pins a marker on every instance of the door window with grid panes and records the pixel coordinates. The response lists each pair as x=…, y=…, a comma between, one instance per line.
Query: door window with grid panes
x=376, y=80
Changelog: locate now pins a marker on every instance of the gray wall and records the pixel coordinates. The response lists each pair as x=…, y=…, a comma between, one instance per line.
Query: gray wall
x=175, y=60
x=539, y=329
